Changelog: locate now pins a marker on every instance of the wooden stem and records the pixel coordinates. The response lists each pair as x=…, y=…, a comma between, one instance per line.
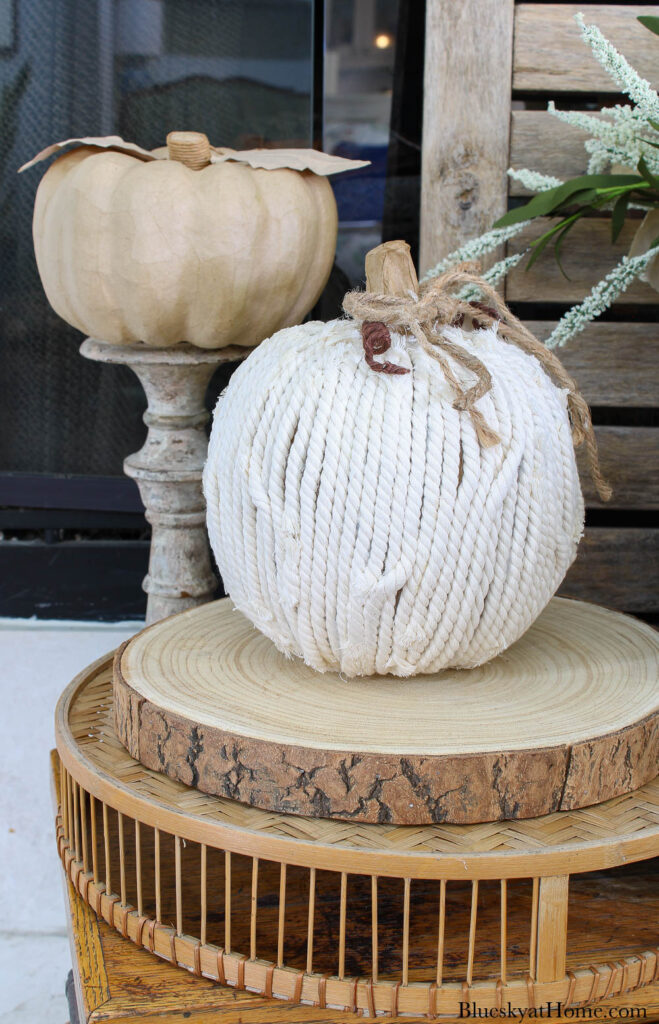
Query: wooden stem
x=189, y=148
x=390, y=270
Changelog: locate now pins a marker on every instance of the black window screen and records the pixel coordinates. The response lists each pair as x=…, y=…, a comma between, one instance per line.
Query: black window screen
x=241, y=72
x=342, y=74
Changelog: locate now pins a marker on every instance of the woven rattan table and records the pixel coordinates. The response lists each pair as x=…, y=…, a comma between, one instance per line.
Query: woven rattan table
x=116, y=981
x=377, y=919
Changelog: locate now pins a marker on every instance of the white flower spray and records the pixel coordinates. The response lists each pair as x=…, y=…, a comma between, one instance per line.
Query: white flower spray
x=476, y=248
x=630, y=82
x=533, y=180
x=619, y=136
x=601, y=297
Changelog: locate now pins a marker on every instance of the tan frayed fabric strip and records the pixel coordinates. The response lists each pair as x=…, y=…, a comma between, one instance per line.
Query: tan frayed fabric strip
x=436, y=307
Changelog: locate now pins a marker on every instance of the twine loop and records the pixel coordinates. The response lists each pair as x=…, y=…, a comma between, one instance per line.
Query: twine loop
x=437, y=306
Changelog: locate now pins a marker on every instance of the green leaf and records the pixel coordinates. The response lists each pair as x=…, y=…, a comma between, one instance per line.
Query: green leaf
x=653, y=124
x=618, y=215
x=559, y=243
x=540, y=244
x=546, y=202
x=538, y=247
x=561, y=228
x=586, y=196
x=647, y=173
x=650, y=21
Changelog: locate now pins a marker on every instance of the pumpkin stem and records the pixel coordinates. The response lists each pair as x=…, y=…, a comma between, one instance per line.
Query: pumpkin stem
x=189, y=148
x=390, y=270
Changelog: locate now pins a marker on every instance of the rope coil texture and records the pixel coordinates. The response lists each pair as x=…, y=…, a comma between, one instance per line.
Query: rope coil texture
x=379, y=522
x=425, y=317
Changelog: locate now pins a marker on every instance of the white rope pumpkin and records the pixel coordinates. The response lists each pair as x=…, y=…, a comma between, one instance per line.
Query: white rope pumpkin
x=359, y=522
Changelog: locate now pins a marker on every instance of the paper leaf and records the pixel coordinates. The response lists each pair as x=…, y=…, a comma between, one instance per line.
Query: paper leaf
x=268, y=159
x=102, y=142
x=293, y=159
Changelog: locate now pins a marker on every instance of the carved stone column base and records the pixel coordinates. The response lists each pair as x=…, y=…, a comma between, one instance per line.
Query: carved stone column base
x=169, y=466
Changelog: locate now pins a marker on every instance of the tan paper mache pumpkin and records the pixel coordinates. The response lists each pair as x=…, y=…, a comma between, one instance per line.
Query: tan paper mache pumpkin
x=187, y=243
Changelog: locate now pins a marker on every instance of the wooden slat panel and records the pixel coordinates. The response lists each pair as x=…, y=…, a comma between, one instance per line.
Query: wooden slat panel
x=613, y=364
x=550, y=55
x=587, y=256
x=542, y=143
x=629, y=457
x=616, y=568
x=466, y=121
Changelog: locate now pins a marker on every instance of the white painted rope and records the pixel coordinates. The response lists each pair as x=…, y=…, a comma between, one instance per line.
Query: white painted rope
x=357, y=521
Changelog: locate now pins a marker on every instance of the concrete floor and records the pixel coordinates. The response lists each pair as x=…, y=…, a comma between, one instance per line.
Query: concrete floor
x=37, y=660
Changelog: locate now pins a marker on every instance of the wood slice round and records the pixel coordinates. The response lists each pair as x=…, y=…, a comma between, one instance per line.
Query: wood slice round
x=567, y=717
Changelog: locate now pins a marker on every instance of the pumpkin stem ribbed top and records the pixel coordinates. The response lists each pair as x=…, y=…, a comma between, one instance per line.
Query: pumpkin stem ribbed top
x=390, y=270
x=189, y=148
x=393, y=301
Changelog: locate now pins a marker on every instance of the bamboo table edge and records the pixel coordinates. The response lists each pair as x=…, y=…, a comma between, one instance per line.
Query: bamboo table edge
x=95, y=993
x=571, y=858
x=239, y=970
x=94, y=985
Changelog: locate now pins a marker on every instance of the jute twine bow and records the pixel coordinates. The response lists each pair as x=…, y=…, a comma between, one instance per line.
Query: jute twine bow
x=425, y=316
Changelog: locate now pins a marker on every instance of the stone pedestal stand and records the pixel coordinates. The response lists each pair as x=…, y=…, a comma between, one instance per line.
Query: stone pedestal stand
x=169, y=465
